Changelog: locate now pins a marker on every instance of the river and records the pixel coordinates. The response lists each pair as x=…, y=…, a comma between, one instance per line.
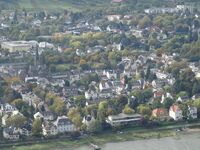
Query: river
x=181, y=142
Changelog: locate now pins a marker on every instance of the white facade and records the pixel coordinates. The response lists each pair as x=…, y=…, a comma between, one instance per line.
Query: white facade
x=192, y=112
x=91, y=95
x=175, y=112
x=49, y=129
x=10, y=133
x=63, y=124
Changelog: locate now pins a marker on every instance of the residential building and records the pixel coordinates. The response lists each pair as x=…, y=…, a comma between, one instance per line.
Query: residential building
x=123, y=119
x=7, y=108
x=11, y=133
x=160, y=113
x=175, y=112
x=38, y=115
x=192, y=112
x=91, y=94
x=49, y=129
x=63, y=124
x=48, y=116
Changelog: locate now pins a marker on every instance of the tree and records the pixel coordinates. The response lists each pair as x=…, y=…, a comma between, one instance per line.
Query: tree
x=168, y=103
x=15, y=19
x=23, y=107
x=128, y=110
x=145, y=21
x=156, y=104
x=145, y=110
x=101, y=114
x=37, y=127
x=16, y=120
x=75, y=116
x=184, y=108
x=148, y=72
x=196, y=24
x=80, y=100
x=94, y=127
x=58, y=106
x=196, y=103
x=195, y=88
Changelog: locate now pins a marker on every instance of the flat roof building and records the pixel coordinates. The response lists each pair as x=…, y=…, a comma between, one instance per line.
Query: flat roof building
x=14, y=46
x=123, y=119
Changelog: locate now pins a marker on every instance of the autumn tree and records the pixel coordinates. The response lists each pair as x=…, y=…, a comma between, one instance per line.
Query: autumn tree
x=75, y=116
x=128, y=110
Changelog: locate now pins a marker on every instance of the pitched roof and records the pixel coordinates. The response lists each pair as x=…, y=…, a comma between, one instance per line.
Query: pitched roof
x=62, y=120
x=175, y=108
x=160, y=112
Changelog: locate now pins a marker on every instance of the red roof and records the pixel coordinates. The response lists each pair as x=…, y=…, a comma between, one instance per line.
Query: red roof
x=174, y=108
x=160, y=112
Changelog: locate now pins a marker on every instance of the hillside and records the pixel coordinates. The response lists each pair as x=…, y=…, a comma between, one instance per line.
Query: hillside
x=79, y=5
x=76, y=5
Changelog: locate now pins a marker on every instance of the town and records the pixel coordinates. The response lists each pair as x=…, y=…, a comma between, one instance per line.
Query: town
x=69, y=72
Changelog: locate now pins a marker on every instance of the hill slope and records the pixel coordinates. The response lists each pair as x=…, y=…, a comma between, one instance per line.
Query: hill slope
x=78, y=5
x=52, y=4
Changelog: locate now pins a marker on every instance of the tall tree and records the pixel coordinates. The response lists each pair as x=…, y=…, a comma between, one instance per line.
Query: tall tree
x=37, y=127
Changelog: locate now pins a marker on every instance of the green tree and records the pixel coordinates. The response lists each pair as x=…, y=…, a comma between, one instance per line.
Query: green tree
x=37, y=127
x=168, y=102
x=16, y=120
x=145, y=21
x=145, y=110
x=23, y=107
x=80, y=100
x=95, y=127
x=156, y=104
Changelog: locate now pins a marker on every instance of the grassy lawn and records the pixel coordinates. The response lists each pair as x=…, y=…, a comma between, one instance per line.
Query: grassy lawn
x=98, y=139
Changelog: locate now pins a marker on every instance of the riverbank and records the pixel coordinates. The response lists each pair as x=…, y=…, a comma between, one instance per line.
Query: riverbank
x=128, y=134
x=97, y=139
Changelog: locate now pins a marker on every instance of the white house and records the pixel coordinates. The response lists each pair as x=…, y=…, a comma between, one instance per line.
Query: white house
x=38, y=115
x=175, y=112
x=25, y=131
x=91, y=94
x=192, y=112
x=113, y=17
x=49, y=116
x=105, y=85
x=7, y=108
x=49, y=129
x=11, y=133
x=63, y=124
x=110, y=74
